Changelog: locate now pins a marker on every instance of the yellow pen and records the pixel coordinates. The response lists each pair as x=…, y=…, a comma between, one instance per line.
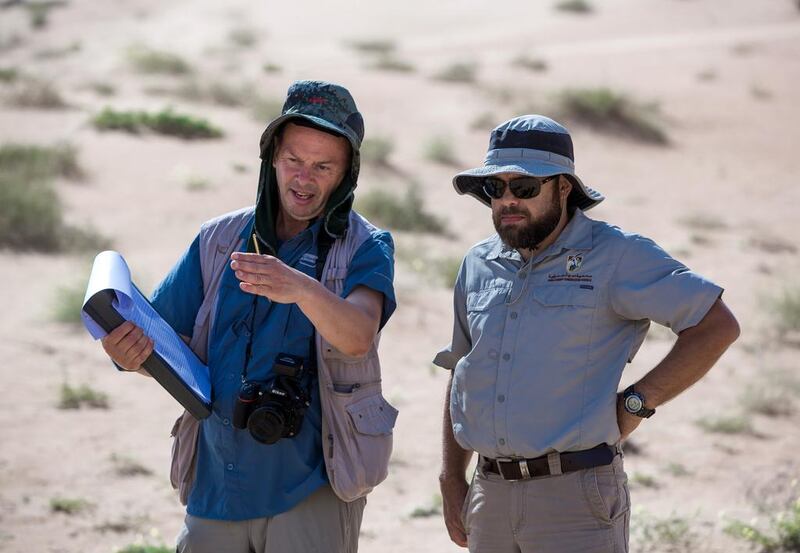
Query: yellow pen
x=255, y=243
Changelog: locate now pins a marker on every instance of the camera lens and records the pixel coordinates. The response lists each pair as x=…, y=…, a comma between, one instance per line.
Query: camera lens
x=266, y=424
x=248, y=394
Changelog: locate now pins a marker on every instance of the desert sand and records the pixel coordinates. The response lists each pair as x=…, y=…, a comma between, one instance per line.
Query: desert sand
x=720, y=196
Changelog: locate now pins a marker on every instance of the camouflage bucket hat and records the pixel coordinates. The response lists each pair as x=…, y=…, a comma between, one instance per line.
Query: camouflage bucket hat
x=326, y=105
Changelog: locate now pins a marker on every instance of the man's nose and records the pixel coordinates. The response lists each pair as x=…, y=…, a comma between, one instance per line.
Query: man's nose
x=508, y=198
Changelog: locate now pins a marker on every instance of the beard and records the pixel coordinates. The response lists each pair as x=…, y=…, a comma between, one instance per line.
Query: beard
x=529, y=235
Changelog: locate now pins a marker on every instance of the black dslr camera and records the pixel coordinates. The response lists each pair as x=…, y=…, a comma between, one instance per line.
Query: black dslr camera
x=274, y=409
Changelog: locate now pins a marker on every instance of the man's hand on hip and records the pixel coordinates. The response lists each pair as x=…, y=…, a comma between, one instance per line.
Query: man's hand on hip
x=128, y=346
x=454, y=493
x=627, y=423
x=270, y=277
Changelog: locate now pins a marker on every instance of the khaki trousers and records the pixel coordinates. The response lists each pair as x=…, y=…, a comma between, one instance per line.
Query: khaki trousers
x=322, y=523
x=586, y=511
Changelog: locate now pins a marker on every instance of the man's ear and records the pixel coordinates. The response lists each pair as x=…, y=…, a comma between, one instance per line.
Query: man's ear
x=564, y=187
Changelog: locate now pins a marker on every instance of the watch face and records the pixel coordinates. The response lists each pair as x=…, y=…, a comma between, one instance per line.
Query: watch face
x=633, y=403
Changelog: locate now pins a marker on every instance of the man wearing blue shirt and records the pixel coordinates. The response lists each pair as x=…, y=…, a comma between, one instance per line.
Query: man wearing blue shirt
x=252, y=492
x=547, y=313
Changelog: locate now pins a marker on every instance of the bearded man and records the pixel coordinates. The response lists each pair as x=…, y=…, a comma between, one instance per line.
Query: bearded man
x=547, y=313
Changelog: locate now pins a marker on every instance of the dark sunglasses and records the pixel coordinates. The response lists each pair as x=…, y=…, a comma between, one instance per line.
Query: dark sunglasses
x=522, y=188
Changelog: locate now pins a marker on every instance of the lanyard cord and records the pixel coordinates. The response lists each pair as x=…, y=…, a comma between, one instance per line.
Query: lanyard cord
x=324, y=243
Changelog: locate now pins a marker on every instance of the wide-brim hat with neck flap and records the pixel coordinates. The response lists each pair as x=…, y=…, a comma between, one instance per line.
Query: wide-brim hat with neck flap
x=330, y=108
x=530, y=145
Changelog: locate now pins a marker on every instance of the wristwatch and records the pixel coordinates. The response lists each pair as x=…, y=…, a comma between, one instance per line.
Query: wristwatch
x=633, y=402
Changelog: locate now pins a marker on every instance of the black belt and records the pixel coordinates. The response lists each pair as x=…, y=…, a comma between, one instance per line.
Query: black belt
x=522, y=469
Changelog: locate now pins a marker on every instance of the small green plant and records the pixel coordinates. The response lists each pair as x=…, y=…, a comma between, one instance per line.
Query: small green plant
x=135, y=548
x=446, y=269
x=373, y=46
x=786, y=311
x=103, y=89
x=726, y=424
x=377, y=150
x=607, y=110
x=265, y=109
x=783, y=534
x=80, y=396
x=677, y=469
x=147, y=60
x=60, y=52
x=462, y=72
x=388, y=62
x=36, y=94
x=407, y=213
x=770, y=401
x=575, y=6
x=440, y=149
x=8, y=74
x=530, y=64
x=243, y=37
x=707, y=75
x=484, y=122
x=38, y=162
x=69, y=505
x=702, y=221
x=239, y=167
x=271, y=68
x=164, y=122
x=760, y=93
x=128, y=466
x=644, y=480
x=671, y=534
x=197, y=184
x=432, y=509
x=38, y=13
x=69, y=302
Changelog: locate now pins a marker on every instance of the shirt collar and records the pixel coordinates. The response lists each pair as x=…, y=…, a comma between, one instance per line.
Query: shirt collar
x=315, y=227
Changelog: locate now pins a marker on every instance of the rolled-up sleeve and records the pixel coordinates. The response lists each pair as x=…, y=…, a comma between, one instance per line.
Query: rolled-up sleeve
x=649, y=284
x=461, y=343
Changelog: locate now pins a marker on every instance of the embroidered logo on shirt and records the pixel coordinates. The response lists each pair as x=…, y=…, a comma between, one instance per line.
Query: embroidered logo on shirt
x=574, y=263
x=309, y=260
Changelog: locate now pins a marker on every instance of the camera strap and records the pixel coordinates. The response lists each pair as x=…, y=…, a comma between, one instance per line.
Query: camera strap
x=324, y=243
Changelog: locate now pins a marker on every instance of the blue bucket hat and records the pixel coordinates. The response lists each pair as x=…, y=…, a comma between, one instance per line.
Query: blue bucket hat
x=531, y=145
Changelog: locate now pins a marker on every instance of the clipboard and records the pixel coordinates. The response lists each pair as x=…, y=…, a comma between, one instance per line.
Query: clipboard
x=100, y=308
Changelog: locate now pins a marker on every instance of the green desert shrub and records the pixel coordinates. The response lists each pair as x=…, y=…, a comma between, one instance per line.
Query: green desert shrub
x=574, y=6
x=81, y=396
x=782, y=536
x=461, y=72
x=68, y=303
x=610, y=111
x=440, y=149
x=786, y=311
x=377, y=150
x=148, y=60
x=531, y=64
x=69, y=505
x=389, y=62
x=373, y=46
x=34, y=93
x=401, y=213
x=165, y=122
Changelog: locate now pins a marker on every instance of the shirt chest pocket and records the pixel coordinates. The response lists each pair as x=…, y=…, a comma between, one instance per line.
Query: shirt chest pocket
x=484, y=307
x=565, y=296
x=565, y=309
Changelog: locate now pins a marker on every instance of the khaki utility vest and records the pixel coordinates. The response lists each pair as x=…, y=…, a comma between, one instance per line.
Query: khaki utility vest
x=357, y=421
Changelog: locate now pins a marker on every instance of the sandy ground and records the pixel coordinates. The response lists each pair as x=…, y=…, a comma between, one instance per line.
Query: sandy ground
x=723, y=74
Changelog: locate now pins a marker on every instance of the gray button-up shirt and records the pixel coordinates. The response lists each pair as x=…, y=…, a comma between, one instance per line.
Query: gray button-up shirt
x=538, y=348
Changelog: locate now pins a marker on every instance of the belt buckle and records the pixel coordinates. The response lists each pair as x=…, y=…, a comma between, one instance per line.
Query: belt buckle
x=523, y=468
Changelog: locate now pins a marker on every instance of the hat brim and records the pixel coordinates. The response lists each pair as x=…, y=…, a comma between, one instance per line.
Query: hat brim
x=470, y=182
